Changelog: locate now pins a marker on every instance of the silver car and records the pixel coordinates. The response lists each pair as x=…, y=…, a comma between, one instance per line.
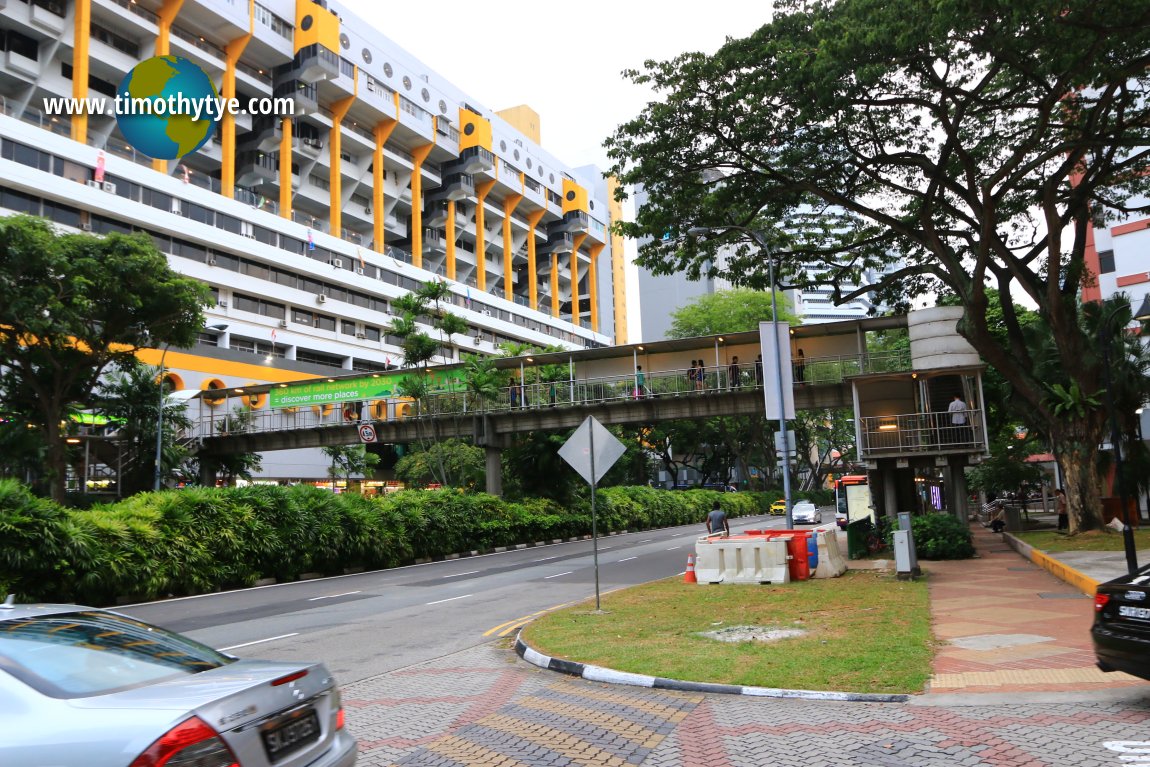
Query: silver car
x=806, y=513
x=93, y=688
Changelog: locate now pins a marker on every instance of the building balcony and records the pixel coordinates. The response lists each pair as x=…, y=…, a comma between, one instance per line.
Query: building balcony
x=434, y=241
x=314, y=63
x=575, y=221
x=48, y=15
x=435, y=214
x=474, y=159
x=304, y=96
x=456, y=186
x=22, y=65
x=254, y=167
x=559, y=243
x=912, y=434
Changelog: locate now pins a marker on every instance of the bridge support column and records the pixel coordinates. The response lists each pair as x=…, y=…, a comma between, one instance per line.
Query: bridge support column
x=956, y=489
x=494, y=457
x=207, y=472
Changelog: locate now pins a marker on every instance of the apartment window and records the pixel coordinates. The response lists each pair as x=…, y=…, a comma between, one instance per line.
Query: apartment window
x=325, y=322
x=347, y=327
x=22, y=45
x=62, y=214
x=285, y=278
x=1106, y=261
x=26, y=155
x=258, y=306
x=190, y=250
x=198, y=213
x=256, y=269
x=372, y=333
x=301, y=317
x=228, y=223
x=120, y=43
x=156, y=199
x=318, y=358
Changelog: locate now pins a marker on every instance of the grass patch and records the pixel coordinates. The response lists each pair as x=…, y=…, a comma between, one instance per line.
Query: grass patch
x=1094, y=540
x=866, y=632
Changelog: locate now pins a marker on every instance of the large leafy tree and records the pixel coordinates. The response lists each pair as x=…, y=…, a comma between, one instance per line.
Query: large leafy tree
x=973, y=140
x=727, y=311
x=74, y=304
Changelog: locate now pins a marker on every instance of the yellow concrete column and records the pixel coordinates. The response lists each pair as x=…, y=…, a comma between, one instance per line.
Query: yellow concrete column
x=618, y=263
x=164, y=18
x=335, y=177
x=554, y=284
x=81, y=36
x=418, y=155
x=578, y=239
x=450, y=239
x=532, y=273
x=481, y=191
x=285, y=168
x=382, y=133
x=509, y=203
x=593, y=284
x=228, y=123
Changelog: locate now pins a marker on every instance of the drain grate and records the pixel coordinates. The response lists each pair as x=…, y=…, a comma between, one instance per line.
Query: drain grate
x=1061, y=596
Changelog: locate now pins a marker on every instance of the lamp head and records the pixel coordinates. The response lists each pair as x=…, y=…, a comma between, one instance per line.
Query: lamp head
x=1143, y=312
x=220, y=327
x=700, y=231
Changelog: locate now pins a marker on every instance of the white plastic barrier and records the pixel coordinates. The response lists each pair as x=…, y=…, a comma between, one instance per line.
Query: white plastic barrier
x=831, y=561
x=744, y=559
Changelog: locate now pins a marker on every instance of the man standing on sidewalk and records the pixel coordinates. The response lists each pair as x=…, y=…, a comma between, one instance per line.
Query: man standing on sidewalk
x=717, y=521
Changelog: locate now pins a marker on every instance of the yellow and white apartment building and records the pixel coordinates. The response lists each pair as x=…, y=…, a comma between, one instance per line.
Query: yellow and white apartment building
x=307, y=227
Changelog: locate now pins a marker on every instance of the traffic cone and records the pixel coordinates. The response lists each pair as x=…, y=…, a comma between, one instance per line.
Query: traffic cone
x=689, y=576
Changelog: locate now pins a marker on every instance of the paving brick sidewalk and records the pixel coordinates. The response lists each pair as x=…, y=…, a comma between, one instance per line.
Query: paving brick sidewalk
x=1010, y=626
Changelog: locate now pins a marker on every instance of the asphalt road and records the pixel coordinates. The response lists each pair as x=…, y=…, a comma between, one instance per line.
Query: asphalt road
x=366, y=624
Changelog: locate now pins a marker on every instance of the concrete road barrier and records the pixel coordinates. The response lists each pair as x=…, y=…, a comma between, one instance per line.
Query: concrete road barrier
x=832, y=564
x=741, y=559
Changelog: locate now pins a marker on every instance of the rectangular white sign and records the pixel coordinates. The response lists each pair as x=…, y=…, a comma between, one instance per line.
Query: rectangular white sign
x=775, y=338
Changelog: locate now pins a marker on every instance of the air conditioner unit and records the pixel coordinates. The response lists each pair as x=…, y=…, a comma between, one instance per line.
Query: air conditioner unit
x=176, y=207
x=361, y=335
x=109, y=187
x=487, y=312
x=94, y=184
x=211, y=261
x=222, y=303
x=86, y=226
x=359, y=270
x=321, y=298
x=477, y=340
x=336, y=263
x=367, y=209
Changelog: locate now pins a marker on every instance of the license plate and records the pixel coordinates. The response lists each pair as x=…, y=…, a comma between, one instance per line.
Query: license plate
x=292, y=735
x=1126, y=611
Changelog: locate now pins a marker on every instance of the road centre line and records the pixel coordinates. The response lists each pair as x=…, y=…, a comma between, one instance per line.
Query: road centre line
x=628, y=559
x=451, y=599
x=258, y=641
x=456, y=575
x=333, y=596
x=648, y=540
x=673, y=548
x=545, y=559
x=556, y=575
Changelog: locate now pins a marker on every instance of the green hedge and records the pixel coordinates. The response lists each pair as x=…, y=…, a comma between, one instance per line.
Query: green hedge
x=200, y=540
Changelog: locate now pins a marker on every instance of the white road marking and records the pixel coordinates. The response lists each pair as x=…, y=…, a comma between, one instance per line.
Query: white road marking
x=648, y=540
x=628, y=559
x=333, y=596
x=259, y=641
x=673, y=548
x=469, y=572
x=604, y=548
x=545, y=559
x=452, y=599
x=556, y=575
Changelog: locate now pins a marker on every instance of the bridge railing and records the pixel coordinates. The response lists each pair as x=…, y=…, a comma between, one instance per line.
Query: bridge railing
x=540, y=394
x=920, y=433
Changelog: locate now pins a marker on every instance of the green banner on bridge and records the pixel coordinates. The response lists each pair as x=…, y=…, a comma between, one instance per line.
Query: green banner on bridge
x=385, y=386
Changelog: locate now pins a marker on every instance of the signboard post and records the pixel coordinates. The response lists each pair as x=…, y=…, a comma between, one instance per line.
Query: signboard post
x=592, y=451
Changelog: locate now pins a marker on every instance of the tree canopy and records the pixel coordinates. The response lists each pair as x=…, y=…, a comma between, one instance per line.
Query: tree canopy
x=727, y=311
x=965, y=145
x=73, y=304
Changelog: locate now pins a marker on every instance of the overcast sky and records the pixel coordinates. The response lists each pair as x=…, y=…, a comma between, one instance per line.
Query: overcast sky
x=561, y=59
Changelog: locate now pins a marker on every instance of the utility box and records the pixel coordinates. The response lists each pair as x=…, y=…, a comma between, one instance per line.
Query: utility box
x=905, y=559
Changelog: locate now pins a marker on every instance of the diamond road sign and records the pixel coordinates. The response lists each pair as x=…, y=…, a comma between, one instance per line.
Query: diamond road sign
x=577, y=450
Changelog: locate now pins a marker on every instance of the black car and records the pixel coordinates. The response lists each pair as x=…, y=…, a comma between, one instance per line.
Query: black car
x=1121, y=628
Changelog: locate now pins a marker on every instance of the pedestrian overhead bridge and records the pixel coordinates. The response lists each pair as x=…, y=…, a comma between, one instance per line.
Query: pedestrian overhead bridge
x=900, y=396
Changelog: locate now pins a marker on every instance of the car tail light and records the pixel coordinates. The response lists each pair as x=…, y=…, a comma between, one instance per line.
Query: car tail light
x=191, y=743
x=337, y=703
x=1100, y=601
x=289, y=678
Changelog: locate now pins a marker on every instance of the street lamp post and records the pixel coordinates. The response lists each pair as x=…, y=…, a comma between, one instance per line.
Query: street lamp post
x=160, y=415
x=1115, y=434
x=760, y=240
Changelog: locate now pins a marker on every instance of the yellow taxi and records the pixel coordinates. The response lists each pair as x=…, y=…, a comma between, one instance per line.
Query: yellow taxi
x=779, y=507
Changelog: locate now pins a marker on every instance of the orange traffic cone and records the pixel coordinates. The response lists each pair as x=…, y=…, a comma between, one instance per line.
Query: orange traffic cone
x=689, y=576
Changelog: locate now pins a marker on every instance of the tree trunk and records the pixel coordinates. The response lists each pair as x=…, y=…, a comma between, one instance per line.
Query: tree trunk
x=57, y=461
x=1076, y=448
